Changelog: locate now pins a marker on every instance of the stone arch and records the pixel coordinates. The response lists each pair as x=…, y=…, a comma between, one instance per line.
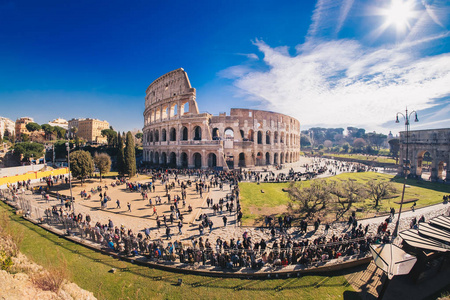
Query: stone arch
x=215, y=133
x=260, y=137
x=173, y=134
x=275, y=137
x=282, y=138
x=228, y=133
x=157, y=115
x=286, y=157
x=275, y=158
x=251, y=135
x=184, y=133
x=281, y=158
x=267, y=158
x=259, y=159
x=165, y=113
x=151, y=136
x=184, y=160
x=172, y=159
x=241, y=162
x=173, y=110
x=151, y=157
x=163, y=158
x=442, y=169
x=197, y=158
x=156, y=158
x=184, y=108
x=212, y=160
x=197, y=133
x=163, y=135
x=242, y=134
x=156, y=135
x=267, y=137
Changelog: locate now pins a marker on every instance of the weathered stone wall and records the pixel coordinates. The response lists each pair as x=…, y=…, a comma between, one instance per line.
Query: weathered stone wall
x=434, y=141
x=176, y=134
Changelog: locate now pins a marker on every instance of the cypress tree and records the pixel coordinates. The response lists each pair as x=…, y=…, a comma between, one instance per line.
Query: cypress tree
x=120, y=156
x=130, y=156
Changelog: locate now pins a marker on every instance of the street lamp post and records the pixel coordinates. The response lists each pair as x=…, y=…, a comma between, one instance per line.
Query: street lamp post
x=70, y=177
x=406, y=161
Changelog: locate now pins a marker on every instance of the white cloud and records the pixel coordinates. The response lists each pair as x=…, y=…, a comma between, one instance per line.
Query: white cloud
x=341, y=82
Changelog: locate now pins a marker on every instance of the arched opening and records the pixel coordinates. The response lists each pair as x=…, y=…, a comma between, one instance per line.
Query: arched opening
x=197, y=160
x=267, y=158
x=157, y=158
x=197, y=133
x=260, y=137
x=185, y=108
x=281, y=158
x=184, y=160
x=424, y=165
x=215, y=134
x=230, y=162
x=267, y=137
x=275, y=158
x=165, y=112
x=184, y=133
x=229, y=134
x=275, y=137
x=173, y=134
x=282, y=138
x=242, y=134
x=151, y=157
x=212, y=160
x=286, y=157
x=163, y=135
x=251, y=133
x=259, y=159
x=173, y=110
x=442, y=170
x=164, y=158
x=241, y=160
x=172, y=160
x=156, y=136
x=151, y=136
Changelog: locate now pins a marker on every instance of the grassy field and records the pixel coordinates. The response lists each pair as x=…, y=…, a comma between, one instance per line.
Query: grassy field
x=89, y=270
x=380, y=159
x=274, y=201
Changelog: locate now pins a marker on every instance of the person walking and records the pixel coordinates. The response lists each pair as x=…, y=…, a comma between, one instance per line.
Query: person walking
x=224, y=221
x=129, y=206
x=118, y=203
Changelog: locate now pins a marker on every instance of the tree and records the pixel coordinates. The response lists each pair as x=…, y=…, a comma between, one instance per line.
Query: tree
x=28, y=150
x=130, y=156
x=139, y=135
x=345, y=147
x=81, y=164
x=379, y=190
x=305, y=141
x=111, y=136
x=103, y=163
x=48, y=130
x=347, y=194
x=120, y=156
x=25, y=137
x=359, y=143
x=59, y=132
x=311, y=199
x=73, y=131
x=394, y=145
x=31, y=127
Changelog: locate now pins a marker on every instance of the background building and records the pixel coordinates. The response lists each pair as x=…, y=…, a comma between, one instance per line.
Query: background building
x=90, y=129
x=21, y=128
x=59, y=122
x=7, y=124
x=177, y=135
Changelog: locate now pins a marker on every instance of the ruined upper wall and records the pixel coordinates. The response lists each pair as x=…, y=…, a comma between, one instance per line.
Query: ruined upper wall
x=167, y=86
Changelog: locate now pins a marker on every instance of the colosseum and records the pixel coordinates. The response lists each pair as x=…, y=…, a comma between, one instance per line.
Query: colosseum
x=177, y=135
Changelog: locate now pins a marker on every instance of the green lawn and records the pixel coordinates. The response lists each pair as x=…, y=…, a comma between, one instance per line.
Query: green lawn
x=89, y=270
x=256, y=205
x=380, y=159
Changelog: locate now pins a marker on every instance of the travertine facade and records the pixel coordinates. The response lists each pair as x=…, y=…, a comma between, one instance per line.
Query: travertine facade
x=6, y=124
x=176, y=134
x=434, y=141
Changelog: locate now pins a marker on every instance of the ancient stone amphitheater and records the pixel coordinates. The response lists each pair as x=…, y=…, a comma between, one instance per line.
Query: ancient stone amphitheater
x=176, y=134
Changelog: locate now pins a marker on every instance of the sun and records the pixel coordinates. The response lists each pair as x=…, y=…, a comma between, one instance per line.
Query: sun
x=399, y=14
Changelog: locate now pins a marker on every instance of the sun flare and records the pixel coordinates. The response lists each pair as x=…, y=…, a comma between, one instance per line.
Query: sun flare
x=399, y=14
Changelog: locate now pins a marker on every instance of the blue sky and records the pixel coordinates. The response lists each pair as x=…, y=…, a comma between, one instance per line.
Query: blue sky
x=328, y=63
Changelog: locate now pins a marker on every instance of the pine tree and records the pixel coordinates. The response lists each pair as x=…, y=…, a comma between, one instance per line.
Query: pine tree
x=120, y=156
x=130, y=156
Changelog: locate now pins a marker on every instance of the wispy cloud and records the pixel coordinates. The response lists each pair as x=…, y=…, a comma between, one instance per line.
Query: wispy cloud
x=343, y=82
